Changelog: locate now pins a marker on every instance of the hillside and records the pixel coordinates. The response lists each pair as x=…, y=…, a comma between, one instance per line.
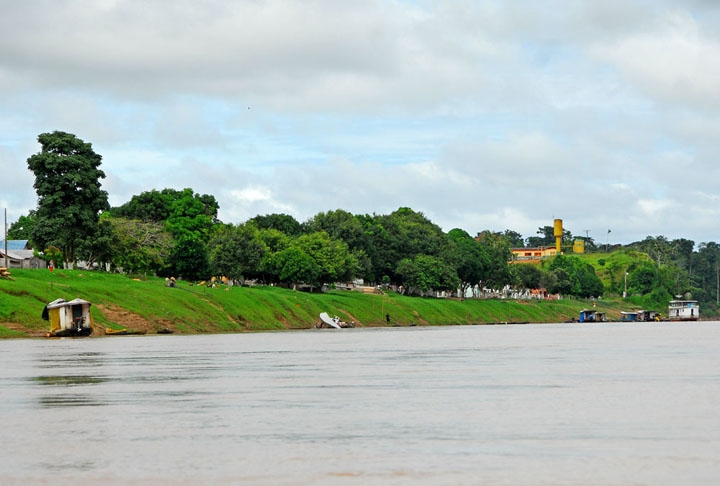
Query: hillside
x=611, y=267
x=148, y=305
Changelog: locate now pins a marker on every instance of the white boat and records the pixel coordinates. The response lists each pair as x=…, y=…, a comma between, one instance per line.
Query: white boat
x=333, y=322
x=683, y=310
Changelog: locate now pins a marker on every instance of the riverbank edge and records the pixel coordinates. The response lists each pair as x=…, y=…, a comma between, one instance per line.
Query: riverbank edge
x=148, y=306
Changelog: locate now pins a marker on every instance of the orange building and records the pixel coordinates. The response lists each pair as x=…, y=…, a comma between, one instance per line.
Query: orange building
x=532, y=255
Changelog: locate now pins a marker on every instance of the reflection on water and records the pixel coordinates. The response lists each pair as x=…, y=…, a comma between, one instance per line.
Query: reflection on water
x=560, y=404
x=75, y=397
x=72, y=380
x=70, y=400
x=70, y=386
x=63, y=361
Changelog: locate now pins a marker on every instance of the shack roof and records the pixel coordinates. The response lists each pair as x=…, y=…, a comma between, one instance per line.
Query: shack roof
x=57, y=303
x=15, y=245
x=17, y=254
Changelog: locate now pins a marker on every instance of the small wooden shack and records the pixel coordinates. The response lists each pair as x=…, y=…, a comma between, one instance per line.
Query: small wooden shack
x=19, y=254
x=69, y=318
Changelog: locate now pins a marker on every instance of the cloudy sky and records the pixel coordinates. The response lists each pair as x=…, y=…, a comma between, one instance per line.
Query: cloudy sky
x=484, y=114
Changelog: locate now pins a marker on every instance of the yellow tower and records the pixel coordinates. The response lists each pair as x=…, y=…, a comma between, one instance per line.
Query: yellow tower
x=558, y=233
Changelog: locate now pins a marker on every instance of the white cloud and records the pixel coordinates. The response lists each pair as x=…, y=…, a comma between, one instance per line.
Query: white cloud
x=676, y=60
x=653, y=207
x=252, y=194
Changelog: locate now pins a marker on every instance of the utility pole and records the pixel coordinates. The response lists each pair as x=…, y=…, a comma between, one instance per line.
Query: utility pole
x=625, y=291
x=607, y=242
x=5, y=240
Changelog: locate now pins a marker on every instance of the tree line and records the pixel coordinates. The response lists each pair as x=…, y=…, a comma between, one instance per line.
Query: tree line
x=176, y=233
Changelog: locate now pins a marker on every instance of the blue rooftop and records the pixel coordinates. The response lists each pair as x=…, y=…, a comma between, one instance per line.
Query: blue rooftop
x=14, y=245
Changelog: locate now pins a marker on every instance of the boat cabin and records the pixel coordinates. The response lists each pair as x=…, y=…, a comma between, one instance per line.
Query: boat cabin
x=589, y=315
x=648, y=315
x=68, y=318
x=639, y=316
x=683, y=310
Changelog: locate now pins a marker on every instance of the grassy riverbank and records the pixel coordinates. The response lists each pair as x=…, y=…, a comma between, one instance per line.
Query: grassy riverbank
x=147, y=305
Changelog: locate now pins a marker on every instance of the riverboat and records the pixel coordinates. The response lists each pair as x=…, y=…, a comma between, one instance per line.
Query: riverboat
x=639, y=316
x=683, y=310
x=68, y=318
x=589, y=315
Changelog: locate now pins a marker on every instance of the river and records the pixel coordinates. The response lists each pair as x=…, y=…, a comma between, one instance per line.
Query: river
x=552, y=404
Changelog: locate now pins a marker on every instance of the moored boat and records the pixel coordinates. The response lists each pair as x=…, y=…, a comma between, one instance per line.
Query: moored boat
x=121, y=332
x=683, y=310
x=639, y=316
x=590, y=315
x=332, y=322
x=68, y=318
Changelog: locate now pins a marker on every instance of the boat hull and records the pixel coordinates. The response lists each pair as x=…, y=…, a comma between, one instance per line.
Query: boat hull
x=82, y=332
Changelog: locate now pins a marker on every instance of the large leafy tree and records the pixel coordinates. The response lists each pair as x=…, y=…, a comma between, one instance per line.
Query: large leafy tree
x=187, y=216
x=469, y=257
x=498, y=251
x=98, y=248
x=404, y=234
x=273, y=239
x=138, y=246
x=527, y=275
x=189, y=259
x=706, y=269
x=312, y=259
x=424, y=272
x=683, y=253
x=376, y=238
x=557, y=281
x=583, y=282
x=150, y=206
x=192, y=215
x=237, y=251
x=332, y=256
x=70, y=199
x=281, y=222
x=159, y=206
x=342, y=225
x=293, y=266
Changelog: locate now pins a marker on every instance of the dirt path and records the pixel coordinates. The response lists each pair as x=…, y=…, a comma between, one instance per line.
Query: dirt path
x=129, y=320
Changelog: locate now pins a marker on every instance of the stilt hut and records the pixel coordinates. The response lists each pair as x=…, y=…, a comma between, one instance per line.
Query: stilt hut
x=68, y=318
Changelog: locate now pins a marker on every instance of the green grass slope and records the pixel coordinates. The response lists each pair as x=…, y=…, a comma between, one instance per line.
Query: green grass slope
x=611, y=267
x=148, y=306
